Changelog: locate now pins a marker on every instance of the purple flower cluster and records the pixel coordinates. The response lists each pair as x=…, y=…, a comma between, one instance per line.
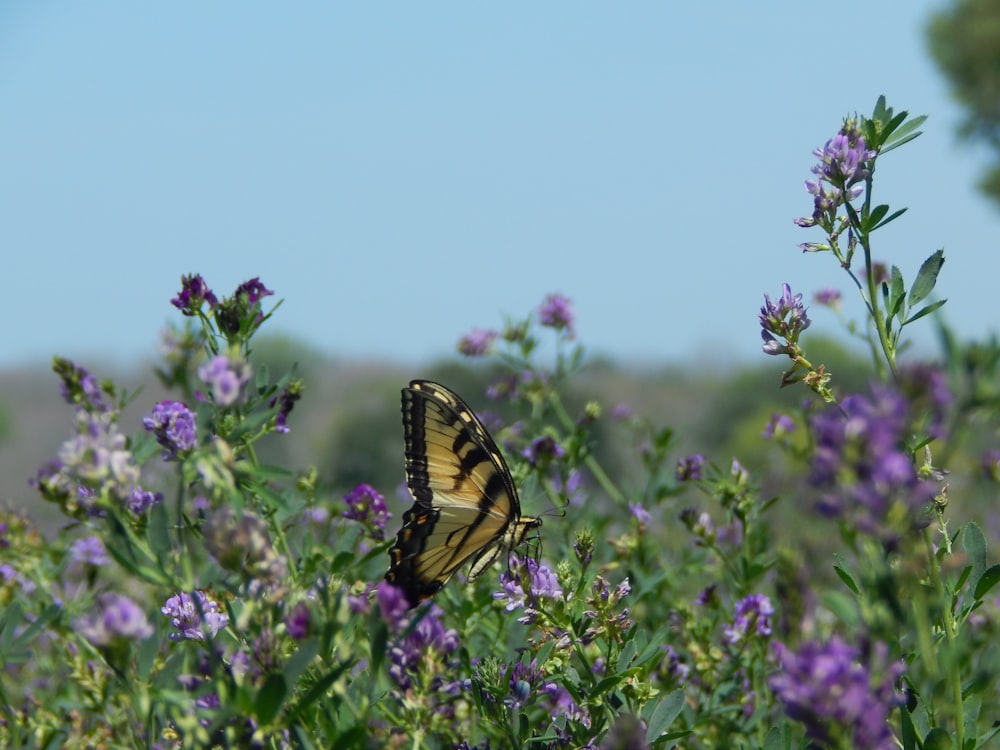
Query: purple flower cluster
x=194, y=292
x=89, y=551
x=827, y=688
x=843, y=166
x=556, y=312
x=607, y=621
x=254, y=290
x=828, y=297
x=926, y=388
x=414, y=645
x=193, y=619
x=286, y=402
x=778, y=425
x=860, y=467
x=174, y=426
x=753, y=612
x=524, y=584
x=785, y=318
x=366, y=505
x=115, y=618
x=476, y=342
x=542, y=451
x=79, y=388
x=689, y=467
x=225, y=378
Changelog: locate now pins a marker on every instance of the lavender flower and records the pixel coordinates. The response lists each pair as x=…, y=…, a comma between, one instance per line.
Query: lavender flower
x=525, y=584
x=97, y=455
x=241, y=542
x=298, y=621
x=142, y=500
x=476, y=342
x=542, y=451
x=79, y=388
x=225, y=377
x=556, y=312
x=414, y=646
x=843, y=166
x=828, y=688
x=689, y=467
x=194, y=292
x=9, y=574
x=115, y=618
x=193, y=619
x=785, y=318
x=672, y=667
x=860, y=467
x=366, y=505
x=174, y=426
x=89, y=551
x=639, y=513
x=926, y=388
x=828, y=297
x=561, y=703
x=754, y=611
x=778, y=425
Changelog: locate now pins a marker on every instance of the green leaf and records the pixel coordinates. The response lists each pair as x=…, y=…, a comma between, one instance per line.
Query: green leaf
x=893, y=217
x=876, y=215
x=663, y=714
x=938, y=739
x=846, y=578
x=779, y=738
x=974, y=544
x=270, y=698
x=988, y=580
x=925, y=311
x=36, y=626
x=842, y=606
x=318, y=690
x=898, y=296
x=626, y=655
x=300, y=660
x=923, y=285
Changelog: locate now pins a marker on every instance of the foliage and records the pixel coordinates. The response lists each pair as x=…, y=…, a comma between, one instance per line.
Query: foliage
x=964, y=40
x=200, y=598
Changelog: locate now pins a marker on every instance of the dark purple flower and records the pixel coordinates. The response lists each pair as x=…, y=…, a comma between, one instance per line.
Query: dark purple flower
x=225, y=378
x=393, y=605
x=89, y=551
x=174, y=426
x=689, y=467
x=286, y=399
x=543, y=450
x=194, y=619
x=831, y=691
x=556, y=312
x=254, y=291
x=194, y=291
x=860, y=466
x=476, y=342
x=115, y=617
x=366, y=505
x=79, y=388
x=524, y=679
x=672, y=667
x=778, y=426
x=754, y=611
x=418, y=645
x=142, y=500
x=298, y=621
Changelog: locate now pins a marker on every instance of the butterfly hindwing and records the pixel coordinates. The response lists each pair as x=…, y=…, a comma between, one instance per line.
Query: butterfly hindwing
x=465, y=503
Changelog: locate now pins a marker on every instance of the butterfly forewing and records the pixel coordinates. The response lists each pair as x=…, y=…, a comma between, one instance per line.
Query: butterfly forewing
x=465, y=503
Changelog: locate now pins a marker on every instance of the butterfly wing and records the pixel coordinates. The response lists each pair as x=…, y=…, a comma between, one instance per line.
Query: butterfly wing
x=465, y=503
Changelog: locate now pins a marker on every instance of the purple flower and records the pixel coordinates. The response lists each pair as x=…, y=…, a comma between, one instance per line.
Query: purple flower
x=786, y=318
x=754, y=611
x=89, y=551
x=366, y=504
x=561, y=703
x=286, y=399
x=142, y=500
x=476, y=342
x=393, y=605
x=412, y=641
x=555, y=312
x=8, y=573
x=97, y=455
x=827, y=297
x=639, y=513
x=524, y=584
x=672, y=667
x=860, y=467
x=194, y=291
x=524, y=679
x=689, y=467
x=926, y=388
x=254, y=291
x=778, y=425
x=115, y=618
x=193, y=619
x=828, y=688
x=542, y=451
x=225, y=378
x=298, y=621
x=79, y=388
x=174, y=426
x=843, y=166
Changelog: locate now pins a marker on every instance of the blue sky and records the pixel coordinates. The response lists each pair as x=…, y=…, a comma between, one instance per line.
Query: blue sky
x=400, y=173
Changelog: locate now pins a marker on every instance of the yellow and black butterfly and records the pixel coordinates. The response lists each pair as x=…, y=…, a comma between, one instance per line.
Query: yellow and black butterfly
x=465, y=503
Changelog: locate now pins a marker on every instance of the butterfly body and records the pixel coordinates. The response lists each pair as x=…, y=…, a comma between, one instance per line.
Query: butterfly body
x=465, y=502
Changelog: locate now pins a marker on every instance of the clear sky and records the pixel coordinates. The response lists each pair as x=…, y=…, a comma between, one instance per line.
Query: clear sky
x=402, y=172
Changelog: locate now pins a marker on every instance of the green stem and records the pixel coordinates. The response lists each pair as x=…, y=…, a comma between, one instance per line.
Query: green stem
x=951, y=634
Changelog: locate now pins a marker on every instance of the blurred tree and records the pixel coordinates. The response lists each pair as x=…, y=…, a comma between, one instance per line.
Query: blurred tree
x=964, y=40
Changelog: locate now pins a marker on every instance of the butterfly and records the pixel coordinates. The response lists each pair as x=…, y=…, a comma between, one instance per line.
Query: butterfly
x=465, y=503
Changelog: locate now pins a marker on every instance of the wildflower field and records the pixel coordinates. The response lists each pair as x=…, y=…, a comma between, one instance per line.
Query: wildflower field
x=196, y=596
